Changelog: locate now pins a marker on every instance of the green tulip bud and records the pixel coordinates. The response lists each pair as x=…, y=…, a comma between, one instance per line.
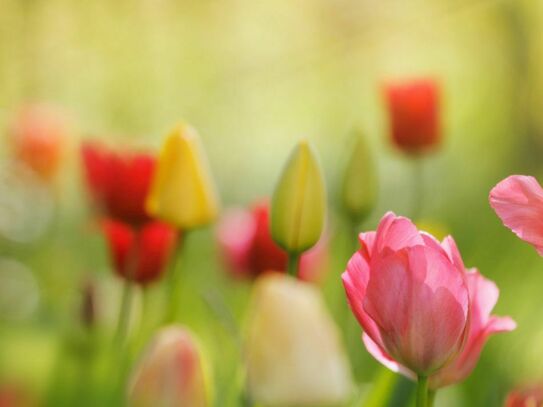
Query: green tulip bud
x=359, y=189
x=299, y=201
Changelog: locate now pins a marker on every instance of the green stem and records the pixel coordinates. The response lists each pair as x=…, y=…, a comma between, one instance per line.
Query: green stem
x=124, y=313
x=293, y=264
x=174, y=282
x=422, y=392
x=431, y=398
x=418, y=187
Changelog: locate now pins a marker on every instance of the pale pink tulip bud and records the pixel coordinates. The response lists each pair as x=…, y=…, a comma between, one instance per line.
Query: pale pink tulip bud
x=170, y=373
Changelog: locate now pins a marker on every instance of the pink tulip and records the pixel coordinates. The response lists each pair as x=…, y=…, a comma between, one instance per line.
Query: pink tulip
x=518, y=201
x=422, y=312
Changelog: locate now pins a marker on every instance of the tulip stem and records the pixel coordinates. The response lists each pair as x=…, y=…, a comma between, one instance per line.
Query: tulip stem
x=293, y=264
x=174, y=280
x=431, y=398
x=124, y=313
x=422, y=391
x=418, y=187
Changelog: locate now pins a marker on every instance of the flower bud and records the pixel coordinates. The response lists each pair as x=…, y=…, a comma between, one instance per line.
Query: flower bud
x=182, y=192
x=171, y=372
x=294, y=354
x=359, y=189
x=299, y=201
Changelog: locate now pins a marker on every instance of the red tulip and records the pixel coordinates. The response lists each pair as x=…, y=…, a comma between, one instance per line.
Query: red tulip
x=39, y=136
x=118, y=182
x=248, y=248
x=422, y=312
x=528, y=397
x=140, y=254
x=518, y=201
x=413, y=109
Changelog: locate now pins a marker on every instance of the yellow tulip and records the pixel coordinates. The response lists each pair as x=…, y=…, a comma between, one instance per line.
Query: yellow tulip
x=359, y=189
x=299, y=202
x=171, y=372
x=182, y=192
x=294, y=354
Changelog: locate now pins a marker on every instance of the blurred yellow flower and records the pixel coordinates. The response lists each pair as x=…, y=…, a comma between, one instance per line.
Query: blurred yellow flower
x=294, y=354
x=182, y=191
x=299, y=201
x=171, y=372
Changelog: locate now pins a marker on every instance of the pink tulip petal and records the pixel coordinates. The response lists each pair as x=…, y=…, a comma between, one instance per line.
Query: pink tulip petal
x=380, y=355
x=355, y=281
x=420, y=303
x=396, y=232
x=367, y=242
x=518, y=201
x=450, y=247
x=483, y=296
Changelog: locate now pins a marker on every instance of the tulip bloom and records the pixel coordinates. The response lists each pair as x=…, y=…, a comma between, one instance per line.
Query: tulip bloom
x=518, y=201
x=247, y=246
x=422, y=312
x=140, y=255
x=118, y=182
x=293, y=351
x=182, y=192
x=39, y=135
x=413, y=109
x=528, y=397
x=171, y=372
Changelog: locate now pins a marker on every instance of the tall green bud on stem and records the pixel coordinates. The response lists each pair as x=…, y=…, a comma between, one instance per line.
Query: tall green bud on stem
x=359, y=186
x=299, y=204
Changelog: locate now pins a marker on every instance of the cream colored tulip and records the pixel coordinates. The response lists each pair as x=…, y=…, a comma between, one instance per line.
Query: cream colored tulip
x=294, y=354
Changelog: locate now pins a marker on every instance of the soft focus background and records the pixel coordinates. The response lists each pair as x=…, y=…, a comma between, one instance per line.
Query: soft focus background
x=254, y=77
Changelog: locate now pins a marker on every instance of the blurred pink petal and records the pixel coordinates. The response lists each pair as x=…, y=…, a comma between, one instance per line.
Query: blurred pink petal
x=518, y=201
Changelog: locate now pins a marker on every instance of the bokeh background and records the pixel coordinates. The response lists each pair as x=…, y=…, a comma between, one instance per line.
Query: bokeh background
x=254, y=77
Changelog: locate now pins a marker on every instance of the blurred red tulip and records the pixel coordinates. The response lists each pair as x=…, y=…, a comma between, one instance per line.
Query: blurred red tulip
x=12, y=395
x=38, y=135
x=140, y=254
x=118, y=182
x=527, y=397
x=414, y=114
x=248, y=248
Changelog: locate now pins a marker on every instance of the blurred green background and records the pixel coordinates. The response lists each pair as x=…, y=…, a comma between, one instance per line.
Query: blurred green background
x=254, y=77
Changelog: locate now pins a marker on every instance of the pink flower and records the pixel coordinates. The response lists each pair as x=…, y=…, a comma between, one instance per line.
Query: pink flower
x=518, y=201
x=414, y=108
x=422, y=312
x=248, y=249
